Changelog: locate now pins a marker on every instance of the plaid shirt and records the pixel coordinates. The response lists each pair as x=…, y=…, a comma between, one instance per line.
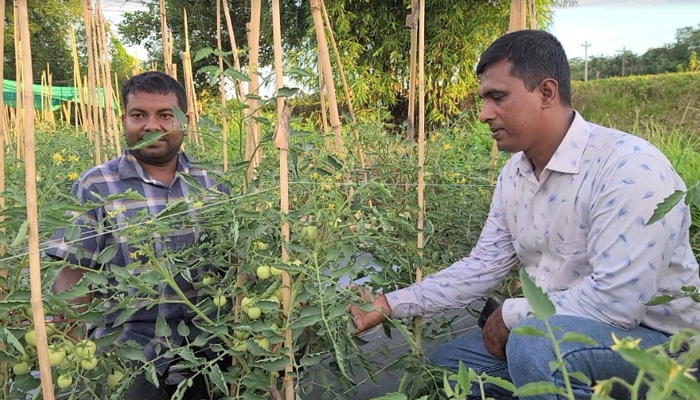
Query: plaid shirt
x=101, y=227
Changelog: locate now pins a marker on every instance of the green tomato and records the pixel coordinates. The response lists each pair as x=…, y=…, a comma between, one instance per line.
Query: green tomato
x=30, y=338
x=20, y=368
x=276, y=271
x=220, y=300
x=242, y=347
x=309, y=232
x=264, y=272
x=65, y=364
x=85, y=348
x=88, y=363
x=258, y=245
x=273, y=299
x=207, y=281
x=278, y=293
x=64, y=381
x=245, y=302
x=241, y=335
x=114, y=378
x=56, y=355
x=254, y=313
x=263, y=342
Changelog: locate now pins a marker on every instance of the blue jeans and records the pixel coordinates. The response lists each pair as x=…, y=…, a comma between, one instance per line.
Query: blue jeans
x=528, y=357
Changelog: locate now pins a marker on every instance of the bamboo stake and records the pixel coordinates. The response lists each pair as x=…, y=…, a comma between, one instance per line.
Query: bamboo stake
x=234, y=49
x=222, y=87
x=99, y=105
x=167, y=53
x=517, y=22
x=281, y=142
x=32, y=217
x=107, y=80
x=19, y=115
x=252, y=153
x=78, y=83
x=421, y=149
x=327, y=74
x=192, y=98
x=533, y=14
x=52, y=119
x=91, y=103
x=4, y=136
x=322, y=100
x=412, y=22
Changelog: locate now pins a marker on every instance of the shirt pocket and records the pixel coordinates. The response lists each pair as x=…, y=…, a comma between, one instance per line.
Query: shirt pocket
x=569, y=249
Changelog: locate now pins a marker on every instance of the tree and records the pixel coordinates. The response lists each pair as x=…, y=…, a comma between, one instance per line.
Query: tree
x=693, y=64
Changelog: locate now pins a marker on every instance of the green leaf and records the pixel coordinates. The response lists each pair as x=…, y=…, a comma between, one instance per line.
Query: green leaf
x=273, y=364
x=192, y=182
x=553, y=365
x=528, y=330
x=182, y=329
x=218, y=379
x=180, y=116
x=311, y=359
x=201, y=53
x=147, y=140
x=665, y=206
x=11, y=339
x=21, y=234
x=538, y=300
x=392, y=396
x=71, y=234
x=124, y=316
x=130, y=353
x=212, y=71
x=687, y=387
x=303, y=322
x=108, y=339
x=694, y=194
x=502, y=383
x=237, y=75
x=287, y=92
x=74, y=292
x=577, y=337
x=162, y=328
x=538, y=388
x=581, y=377
x=107, y=254
x=301, y=72
x=658, y=300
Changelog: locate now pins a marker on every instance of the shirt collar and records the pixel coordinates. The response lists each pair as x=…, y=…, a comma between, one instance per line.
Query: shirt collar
x=567, y=158
x=129, y=166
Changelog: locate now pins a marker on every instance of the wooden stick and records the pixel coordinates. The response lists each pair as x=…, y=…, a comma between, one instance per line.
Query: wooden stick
x=222, y=88
x=99, y=110
x=78, y=83
x=189, y=81
x=91, y=101
x=517, y=22
x=281, y=142
x=421, y=149
x=322, y=103
x=36, y=301
x=19, y=115
x=412, y=22
x=234, y=49
x=533, y=14
x=253, y=134
x=327, y=74
x=52, y=119
x=167, y=55
x=107, y=80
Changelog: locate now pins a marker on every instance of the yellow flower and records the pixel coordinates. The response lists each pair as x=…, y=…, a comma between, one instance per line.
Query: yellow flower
x=57, y=158
x=446, y=146
x=674, y=371
x=626, y=343
x=602, y=388
x=432, y=138
x=341, y=155
x=73, y=158
x=358, y=214
x=73, y=176
x=326, y=187
x=338, y=176
x=133, y=255
x=331, y=206
x=314, y=176
x=296, y=262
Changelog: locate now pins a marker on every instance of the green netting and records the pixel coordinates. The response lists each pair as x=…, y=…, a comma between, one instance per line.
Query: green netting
x=58, y=94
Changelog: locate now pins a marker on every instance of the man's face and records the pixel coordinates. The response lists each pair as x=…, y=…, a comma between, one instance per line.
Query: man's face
x=147, y=112
x=512, y=112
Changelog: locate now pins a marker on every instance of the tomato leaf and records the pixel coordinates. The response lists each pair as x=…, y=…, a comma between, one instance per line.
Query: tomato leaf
x=665, y=206
x=538, y=300
x=107, y=254
x=218, y=379
x=148, y=139
x=11, y=339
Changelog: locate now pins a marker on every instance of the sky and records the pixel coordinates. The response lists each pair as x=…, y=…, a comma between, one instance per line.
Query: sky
x=607, y=25
x=611, y=25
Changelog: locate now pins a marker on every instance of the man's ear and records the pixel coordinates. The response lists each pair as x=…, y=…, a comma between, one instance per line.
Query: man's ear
x=187, y=121
x=123, y=118
x=549, y=88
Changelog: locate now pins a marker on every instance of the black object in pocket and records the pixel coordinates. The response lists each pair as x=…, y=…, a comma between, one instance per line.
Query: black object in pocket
x=491, y=305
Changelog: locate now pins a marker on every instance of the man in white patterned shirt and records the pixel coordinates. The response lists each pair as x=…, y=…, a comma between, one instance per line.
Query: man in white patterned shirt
x=570, y=207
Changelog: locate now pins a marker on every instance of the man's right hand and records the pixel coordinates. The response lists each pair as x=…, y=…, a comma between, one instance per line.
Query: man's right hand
x=367, y=320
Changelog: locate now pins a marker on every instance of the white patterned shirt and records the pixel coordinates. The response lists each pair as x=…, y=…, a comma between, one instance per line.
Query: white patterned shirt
x=579, y=232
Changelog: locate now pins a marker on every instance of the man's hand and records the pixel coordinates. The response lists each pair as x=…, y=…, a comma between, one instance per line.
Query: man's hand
x=495, y=334
x=368, y=320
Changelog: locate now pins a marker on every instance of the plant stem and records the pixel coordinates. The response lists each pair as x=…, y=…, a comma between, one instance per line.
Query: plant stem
x=564, y=371
x=635, y=386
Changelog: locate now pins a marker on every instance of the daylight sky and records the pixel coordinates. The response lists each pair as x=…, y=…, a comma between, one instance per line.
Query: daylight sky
x=608, y=25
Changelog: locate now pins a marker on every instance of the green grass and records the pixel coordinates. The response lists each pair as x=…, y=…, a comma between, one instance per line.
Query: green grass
x=632, y=102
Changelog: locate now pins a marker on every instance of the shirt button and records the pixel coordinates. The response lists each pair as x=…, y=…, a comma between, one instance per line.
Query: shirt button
x=542, y=277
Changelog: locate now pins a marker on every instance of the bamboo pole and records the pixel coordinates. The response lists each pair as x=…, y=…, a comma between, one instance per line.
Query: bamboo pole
x=4, y=136
x=90, y=87
x=32, y=217
x=78, y=83
x=252, y=151
x=167, y=53
x=234, y=49
x=99, y=99
x=322, y=102
x=107, y=82
x=281, y=142
x=412, y=22
x=327, y=74
x=52, y=119
x=19, y=115
x=222, y=87
x=189, y=81
x=516, y=22
x=421, y=149
x=533, y=14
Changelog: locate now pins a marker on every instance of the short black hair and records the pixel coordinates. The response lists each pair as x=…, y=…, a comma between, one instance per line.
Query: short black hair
x=534, y=56
x=155, y=82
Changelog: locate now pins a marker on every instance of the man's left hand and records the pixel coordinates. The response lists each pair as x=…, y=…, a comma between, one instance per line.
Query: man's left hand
x=495, y=334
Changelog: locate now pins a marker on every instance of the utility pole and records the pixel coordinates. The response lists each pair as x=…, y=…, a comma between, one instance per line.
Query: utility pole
x=624, y=52
x=585, y=45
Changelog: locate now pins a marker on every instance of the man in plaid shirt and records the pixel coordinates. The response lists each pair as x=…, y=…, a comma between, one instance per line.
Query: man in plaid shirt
x=154, y=173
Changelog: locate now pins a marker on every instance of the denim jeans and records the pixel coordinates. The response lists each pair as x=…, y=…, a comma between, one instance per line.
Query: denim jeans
x=528, y=357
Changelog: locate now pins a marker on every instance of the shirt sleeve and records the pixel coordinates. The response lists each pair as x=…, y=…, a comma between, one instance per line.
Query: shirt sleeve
x=628, y=259
x=467, y=279
x=85, y=247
